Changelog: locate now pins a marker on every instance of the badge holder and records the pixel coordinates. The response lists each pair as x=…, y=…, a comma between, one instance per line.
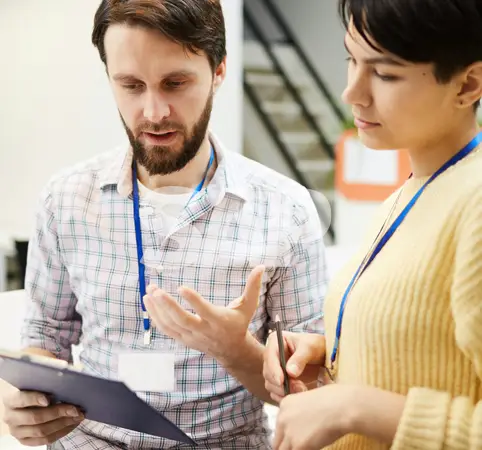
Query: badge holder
x=150, y=368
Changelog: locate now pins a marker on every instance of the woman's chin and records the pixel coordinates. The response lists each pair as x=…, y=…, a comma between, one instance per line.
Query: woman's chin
x=374, y=142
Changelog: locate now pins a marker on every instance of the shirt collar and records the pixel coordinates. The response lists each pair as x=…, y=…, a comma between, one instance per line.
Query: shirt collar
x=227, y=178
x=116, y=173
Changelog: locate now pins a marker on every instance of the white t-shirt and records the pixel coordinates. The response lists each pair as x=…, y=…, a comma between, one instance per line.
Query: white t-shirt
x=168, y=202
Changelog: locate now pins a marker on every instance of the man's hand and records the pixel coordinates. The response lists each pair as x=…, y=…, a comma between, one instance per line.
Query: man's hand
x=33, y=422
x=218, y=331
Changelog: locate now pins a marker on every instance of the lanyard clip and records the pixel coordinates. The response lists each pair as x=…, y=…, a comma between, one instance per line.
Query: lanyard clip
x=146, y=321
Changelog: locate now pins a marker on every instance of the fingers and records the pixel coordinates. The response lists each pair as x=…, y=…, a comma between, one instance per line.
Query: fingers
x=46, y=429
x=174, y=333
x=151, y=289
x=253, y=285
x=297, y=362
x=36, y=416
x=277, y=392
x=297, y=386
x=202, y=307
x=49, y=439
x=165, y=309
x=163, y=320
x=22, y=399
x=272, y=370
x=296, y=366
x=247, y=304
x=33, y=424
x=306, y=349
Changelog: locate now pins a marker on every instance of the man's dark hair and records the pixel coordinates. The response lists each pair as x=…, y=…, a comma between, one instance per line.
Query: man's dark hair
x=446, y=33
x=197, y=25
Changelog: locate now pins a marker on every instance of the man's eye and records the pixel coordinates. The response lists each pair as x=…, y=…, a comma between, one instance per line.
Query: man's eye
x=132, y=87
x=175, y=84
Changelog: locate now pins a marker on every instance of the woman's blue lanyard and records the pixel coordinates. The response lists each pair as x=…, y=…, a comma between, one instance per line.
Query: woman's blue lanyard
x=385, y=238
x=140, y=252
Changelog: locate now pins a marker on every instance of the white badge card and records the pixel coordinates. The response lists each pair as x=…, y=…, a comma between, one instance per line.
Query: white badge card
x=147, y=371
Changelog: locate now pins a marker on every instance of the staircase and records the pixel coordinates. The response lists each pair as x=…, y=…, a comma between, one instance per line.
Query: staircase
x=291, y=122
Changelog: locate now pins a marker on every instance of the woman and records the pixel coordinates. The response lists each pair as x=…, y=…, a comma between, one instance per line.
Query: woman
x=403, y=359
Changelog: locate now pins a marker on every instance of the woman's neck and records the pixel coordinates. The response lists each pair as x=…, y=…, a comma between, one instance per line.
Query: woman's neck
x=428, y=159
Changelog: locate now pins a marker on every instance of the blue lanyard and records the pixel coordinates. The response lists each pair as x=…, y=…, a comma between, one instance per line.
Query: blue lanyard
x=386, y=237
x=137, y=223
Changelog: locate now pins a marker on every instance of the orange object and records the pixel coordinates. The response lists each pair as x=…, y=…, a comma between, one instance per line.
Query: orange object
x=366, y=191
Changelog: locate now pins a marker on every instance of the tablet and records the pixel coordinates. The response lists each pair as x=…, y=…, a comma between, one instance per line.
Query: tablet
x=106, y=401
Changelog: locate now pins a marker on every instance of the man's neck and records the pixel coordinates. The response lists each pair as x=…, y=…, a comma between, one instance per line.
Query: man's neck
x=190, y=176
x=425, y=162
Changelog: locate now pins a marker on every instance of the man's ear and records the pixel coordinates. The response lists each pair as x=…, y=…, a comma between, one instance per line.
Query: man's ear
x=219, y=74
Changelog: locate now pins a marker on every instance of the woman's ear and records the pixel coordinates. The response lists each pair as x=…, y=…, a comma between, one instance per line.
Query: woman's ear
x=470, y=86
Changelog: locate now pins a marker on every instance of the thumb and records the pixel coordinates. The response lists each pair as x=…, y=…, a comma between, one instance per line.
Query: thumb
x=248, y=302
x=297, y=362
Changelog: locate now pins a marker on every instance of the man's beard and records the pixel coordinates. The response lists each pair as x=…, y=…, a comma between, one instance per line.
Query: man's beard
x=163, y=160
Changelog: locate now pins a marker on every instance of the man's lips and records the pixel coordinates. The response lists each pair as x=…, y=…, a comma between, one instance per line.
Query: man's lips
x=158, y=133
x=159, y=138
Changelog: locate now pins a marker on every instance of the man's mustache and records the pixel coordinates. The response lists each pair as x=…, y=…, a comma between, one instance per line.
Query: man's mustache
x=163, y=127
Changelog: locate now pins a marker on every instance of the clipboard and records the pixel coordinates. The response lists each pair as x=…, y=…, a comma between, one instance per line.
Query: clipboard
x=106, y=401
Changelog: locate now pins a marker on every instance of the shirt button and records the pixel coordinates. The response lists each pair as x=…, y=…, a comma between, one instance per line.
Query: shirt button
x=159, y=269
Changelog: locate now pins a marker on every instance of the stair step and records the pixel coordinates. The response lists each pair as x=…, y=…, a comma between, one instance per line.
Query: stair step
x=287, y=108
x=256, y=59
x=315, y=165
x=299, y=137
x=269, y=79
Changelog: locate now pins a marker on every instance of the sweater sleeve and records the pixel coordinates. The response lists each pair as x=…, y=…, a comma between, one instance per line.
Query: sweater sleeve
x=434, y=420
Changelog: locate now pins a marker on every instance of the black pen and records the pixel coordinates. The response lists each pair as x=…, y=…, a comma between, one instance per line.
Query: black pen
x=281, y=347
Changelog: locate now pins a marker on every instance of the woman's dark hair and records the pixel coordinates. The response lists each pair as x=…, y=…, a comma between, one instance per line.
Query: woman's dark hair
x=446, y=33
x=198, y=25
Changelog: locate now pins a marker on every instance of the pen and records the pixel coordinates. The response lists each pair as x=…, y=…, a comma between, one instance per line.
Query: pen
x=281, y=348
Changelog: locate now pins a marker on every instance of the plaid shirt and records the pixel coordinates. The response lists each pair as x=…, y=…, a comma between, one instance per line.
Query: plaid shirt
x=82, y=284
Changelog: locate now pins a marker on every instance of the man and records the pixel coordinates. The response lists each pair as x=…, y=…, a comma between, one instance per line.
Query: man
x=195, y=216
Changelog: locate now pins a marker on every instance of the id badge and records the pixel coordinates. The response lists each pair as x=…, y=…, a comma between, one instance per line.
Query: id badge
x=147, y=371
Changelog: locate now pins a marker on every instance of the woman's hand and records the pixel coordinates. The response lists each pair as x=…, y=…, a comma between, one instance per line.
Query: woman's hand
x=305, y=355
x=315, y=419
x=318, y=418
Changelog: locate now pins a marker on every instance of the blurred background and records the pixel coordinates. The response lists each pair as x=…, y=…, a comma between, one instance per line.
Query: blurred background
x=280, y=105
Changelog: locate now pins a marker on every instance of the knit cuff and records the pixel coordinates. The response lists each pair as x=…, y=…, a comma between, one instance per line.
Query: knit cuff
x=424, y=420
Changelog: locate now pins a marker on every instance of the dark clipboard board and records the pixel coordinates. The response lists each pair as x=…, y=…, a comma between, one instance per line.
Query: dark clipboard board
x=106, y=401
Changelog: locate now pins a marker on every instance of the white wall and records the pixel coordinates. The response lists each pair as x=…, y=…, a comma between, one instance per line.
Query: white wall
x=56, y=106
x=227, y=117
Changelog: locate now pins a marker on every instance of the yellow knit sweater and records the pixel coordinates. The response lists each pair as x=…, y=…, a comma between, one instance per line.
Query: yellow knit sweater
x=413, y=322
